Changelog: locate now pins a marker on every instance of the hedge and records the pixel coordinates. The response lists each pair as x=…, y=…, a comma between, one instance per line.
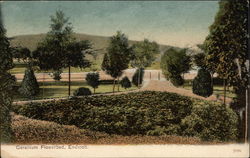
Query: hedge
x=30, y=131
x=145, y=113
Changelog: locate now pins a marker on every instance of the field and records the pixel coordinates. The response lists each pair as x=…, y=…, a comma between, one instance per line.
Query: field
x=60, y=89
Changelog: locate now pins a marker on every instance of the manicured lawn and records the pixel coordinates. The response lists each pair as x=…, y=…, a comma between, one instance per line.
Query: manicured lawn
x=60, y=89
x=218, y=90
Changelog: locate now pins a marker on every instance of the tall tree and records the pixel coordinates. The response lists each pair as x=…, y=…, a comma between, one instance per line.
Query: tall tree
x=174, y=63
x=60, y=49
x=144, y=53
x=117, y=57
x=227, y=42
x=6, y=82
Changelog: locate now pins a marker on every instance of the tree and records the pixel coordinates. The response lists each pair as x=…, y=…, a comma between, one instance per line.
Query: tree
x=144, y=53
x=226, y=42
x=174, y=63
x=117, y=57
x=6, y=83
x=202, y=83
x=60, y=50
x=29, y=86
x=125, y=82
x=138, y=77
x=93, y=80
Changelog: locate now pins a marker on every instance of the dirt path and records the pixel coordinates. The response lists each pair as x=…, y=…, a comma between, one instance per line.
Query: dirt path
x=166, y=86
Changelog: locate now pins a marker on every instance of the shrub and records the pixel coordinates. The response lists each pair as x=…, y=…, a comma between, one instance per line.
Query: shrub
x=135, y=79
x=177, y=80
x=82, y=91
x=125, y=82
x=211, y=121
x=26, y=130
x=202, y=83
x=57, y=75
x=29, y=86
x=93, y=80
x=144, y=113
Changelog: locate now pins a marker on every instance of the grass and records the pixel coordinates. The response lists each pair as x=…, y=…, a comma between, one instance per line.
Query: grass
x=217, y=89
x=60, y=89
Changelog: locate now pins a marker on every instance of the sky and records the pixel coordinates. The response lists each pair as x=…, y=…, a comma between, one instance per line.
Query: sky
x=176, y=23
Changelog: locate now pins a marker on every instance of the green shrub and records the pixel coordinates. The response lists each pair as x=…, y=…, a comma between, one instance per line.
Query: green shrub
x=144, y=113
x=202, y=84
x=177, y=80
x=29, y=86
x=137, y=79
x=82, y=91
x=57, y=75
x=125, y=82
x=211, y=121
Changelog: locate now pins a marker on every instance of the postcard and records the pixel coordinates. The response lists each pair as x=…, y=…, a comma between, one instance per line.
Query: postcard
x=124, y=79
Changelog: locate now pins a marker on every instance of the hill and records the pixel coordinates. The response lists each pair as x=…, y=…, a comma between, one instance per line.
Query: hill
x=99, y=43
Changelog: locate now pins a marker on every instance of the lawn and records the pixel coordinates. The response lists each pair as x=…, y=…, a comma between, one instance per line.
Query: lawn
x=60, y=89
x=217, y=90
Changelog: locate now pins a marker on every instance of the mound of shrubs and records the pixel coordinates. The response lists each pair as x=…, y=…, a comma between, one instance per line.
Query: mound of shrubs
x=142, y=113
x=26, y=130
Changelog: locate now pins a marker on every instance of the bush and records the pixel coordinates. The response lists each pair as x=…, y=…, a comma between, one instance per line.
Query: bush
x=202, y=84
x=82, y=91
x=144, y=113
x=136, y=76
x=125, y=82
x=57, y=75
x=93, y=80
x=26, y=130
x=29, y=86
x=211, y=121
x=177, y=80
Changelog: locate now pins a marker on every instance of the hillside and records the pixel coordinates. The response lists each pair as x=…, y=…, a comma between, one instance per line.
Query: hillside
x=99, y=43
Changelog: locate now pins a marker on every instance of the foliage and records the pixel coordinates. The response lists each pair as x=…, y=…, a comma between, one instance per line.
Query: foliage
x=144, y=113
x=29, y=86
x=136, y=79
x=211, y=121
x=57, y=75
x=117, y=57
x=228, y=40
x=144, y=53
x=59, y=49
x=82, y=91
x=174, y=63
x=26, y=130
x=125, y=82
x=202, y=83
x=93, y=80
x=6, y=82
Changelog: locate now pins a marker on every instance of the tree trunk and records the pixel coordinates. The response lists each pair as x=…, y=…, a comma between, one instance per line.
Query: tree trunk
x=224, y=84
x=94, y=90
x=114, y=86
x=43, y=83
x=69, y=80
x=150, y=75
x=118, y=86
x=139, y=71
x=212, y=80
x=246, y=115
